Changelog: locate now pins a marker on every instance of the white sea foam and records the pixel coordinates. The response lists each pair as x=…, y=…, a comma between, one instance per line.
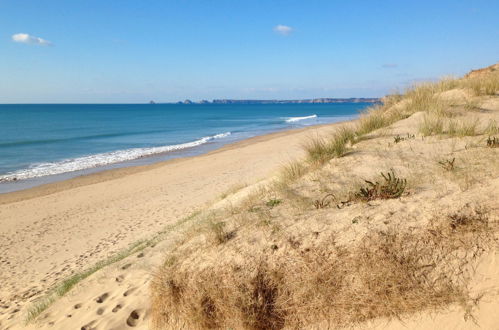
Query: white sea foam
x=86, y=162
x=295, y=119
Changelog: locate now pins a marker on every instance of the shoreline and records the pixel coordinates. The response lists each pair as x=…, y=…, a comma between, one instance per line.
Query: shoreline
x=120, y=172
x=59, y=229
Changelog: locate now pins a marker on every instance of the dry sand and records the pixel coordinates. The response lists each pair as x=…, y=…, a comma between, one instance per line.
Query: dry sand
x=53, y=231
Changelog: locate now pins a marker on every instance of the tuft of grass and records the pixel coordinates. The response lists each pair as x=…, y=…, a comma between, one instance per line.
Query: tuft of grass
x=472, y=104
x=492, y=128
x=292, y=171
x=462, y=128
x=320, y=150
x=220, y=233
x=373, y=119
x=431, y=125
x=483, y=85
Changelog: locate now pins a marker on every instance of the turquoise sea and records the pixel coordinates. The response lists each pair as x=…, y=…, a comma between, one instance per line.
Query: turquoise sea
x=47, y=142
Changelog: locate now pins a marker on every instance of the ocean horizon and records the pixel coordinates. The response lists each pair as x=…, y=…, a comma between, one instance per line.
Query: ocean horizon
x=41, y=143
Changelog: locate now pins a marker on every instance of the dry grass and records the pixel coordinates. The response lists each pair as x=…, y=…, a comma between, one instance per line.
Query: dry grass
x=407, y=271
x=320, y=150
x=371, y=120
x=463, y=128
x=483, y=85
x=431, y=125
x=492, y=128
x=292, y=171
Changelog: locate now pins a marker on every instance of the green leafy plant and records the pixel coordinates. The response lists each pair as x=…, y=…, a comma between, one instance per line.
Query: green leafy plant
x=392, y=187
x=273, y=202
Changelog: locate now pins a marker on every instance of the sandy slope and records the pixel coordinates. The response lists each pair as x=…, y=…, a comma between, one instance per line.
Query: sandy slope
x=50, y=232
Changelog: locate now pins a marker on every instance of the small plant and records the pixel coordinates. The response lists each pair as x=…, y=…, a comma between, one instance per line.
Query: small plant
x=468, y=217
x=398, y=138
x=492, y=142
x=392, y=187
x=220, y=233
x=448, y=165
x=324, y=202
x=273, y=202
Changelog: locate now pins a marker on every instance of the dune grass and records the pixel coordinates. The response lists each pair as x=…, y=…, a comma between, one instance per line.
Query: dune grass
x=320, y=150
x=483, y=85
x=431, y=125
x=326, y=282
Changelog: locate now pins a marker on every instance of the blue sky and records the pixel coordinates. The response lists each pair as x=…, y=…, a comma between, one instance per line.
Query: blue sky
x=134, y=51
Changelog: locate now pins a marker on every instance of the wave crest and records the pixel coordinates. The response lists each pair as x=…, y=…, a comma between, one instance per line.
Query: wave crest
x=295, y=119
x=107, y=158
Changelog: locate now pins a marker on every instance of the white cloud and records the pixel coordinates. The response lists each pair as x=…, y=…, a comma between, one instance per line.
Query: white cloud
x=283, y=29
x=25, y=38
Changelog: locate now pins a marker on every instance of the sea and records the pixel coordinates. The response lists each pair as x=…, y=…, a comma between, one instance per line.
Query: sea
x=42, y=143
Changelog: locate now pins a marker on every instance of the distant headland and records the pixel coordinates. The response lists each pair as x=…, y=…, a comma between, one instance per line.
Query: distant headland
x=317, y=100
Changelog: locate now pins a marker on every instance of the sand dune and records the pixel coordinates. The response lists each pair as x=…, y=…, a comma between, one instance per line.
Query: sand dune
x=51, y=232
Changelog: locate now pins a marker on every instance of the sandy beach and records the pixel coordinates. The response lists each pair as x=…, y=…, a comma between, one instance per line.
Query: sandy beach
x=52, y=231
x=386, y=222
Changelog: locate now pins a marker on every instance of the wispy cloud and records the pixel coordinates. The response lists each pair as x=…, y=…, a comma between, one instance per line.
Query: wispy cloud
x=25, y=38
x=283, y=29
x=389, y=66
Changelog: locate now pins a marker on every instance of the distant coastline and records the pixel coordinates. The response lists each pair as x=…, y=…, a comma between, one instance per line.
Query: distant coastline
x=316, y=100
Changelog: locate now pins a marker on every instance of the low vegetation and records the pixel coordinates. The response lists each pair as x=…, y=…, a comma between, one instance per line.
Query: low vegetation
x=390, y=187
x=326, y=281
x=275, y=277
x=447, y=164
x=493, y=142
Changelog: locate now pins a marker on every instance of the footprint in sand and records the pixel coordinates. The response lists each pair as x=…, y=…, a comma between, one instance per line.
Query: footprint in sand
x=100, y=299
x=100, y=311
x=126, y=266
x=88, y=326
x=77, y=306
x=120, y=278
x=127, y=292
x=133, y=319
x=116, y=308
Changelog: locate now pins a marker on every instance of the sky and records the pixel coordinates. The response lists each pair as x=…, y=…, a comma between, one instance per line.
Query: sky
x=103, y=51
